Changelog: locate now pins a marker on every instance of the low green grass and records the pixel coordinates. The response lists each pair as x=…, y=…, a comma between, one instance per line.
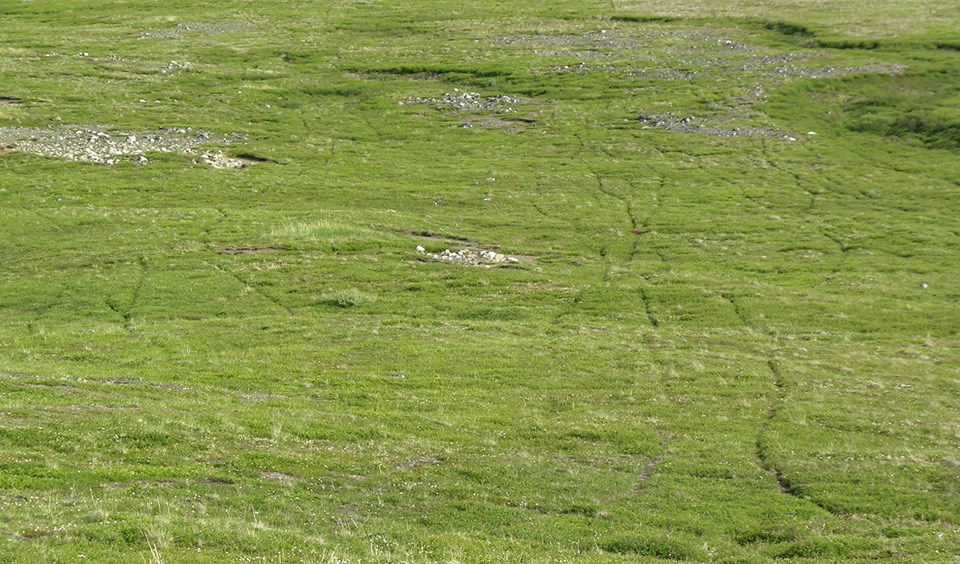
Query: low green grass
x=711, y=348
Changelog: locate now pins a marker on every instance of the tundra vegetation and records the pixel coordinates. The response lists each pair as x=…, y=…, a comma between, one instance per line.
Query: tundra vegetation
x=479, y=281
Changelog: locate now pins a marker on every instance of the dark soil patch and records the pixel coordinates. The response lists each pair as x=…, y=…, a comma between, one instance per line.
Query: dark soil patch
x=35, y=534
x=247, y=250
x=789, y=29
x=9, y=100
x=430, y=235
x=218, y=480
x=644, y=19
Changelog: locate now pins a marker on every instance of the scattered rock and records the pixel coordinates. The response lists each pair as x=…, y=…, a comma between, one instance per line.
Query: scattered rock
x=220, y=159
x=468, y=101
x=174, y=65
x=470, y=257
x=704, y=127
x=98, y=144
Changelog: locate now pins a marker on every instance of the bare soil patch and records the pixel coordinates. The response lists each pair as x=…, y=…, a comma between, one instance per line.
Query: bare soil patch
x=275, y=476
x=247, y=250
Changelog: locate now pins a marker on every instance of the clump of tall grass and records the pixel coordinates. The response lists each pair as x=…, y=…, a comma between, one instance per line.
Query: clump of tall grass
x=350, y=297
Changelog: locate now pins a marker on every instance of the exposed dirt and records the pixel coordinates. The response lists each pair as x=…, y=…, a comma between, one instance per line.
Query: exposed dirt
x=416, y=463
x=218, y=480
x=431, y=236
x=247, y=250
x=274, y=476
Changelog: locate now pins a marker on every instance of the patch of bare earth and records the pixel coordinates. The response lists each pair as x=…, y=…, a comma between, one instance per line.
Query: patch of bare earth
x=247, y=250
x=275, y=476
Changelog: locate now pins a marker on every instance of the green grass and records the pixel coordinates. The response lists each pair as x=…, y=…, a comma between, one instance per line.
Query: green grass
x=714, y=348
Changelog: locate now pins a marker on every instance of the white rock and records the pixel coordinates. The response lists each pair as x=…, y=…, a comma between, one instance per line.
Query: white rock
x=421, y=249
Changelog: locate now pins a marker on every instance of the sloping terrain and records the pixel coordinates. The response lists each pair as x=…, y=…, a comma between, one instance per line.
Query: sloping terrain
x=489, y=281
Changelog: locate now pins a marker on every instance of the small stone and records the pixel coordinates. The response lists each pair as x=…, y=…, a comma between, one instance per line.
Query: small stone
x=420, y=249
x=923, y=285
x=141, y=160
x=398, y=376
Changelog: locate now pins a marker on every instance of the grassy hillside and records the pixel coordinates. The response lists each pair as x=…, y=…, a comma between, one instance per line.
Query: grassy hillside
x=722, y=321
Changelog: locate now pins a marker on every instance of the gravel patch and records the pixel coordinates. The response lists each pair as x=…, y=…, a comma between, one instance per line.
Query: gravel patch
x=604, y=38
x=467, y=101
x=704, y=127
x=102, y=145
